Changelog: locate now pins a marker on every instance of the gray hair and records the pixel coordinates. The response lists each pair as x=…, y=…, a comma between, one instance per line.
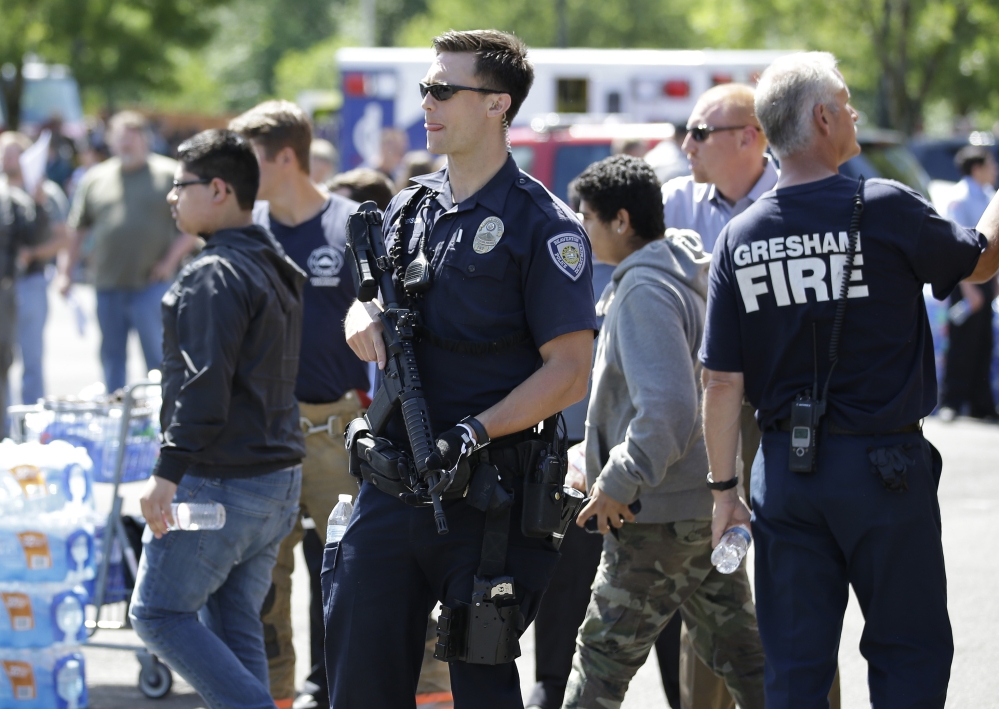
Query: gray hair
x=787, y=93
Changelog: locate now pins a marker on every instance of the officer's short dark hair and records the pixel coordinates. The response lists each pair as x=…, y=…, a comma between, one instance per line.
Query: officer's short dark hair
x=500, y=61
x=969, y=157
x=276, y=125
x=362, y=184
x=226, y=155
x=624, y=182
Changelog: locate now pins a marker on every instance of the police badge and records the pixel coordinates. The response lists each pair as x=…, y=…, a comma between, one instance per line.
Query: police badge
x=488, y=234
x=568, y=253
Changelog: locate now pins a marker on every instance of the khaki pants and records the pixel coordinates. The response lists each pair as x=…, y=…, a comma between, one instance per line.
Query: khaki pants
x=324, y=478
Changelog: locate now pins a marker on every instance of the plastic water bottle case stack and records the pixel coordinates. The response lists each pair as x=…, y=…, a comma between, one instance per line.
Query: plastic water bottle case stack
x=47, y=556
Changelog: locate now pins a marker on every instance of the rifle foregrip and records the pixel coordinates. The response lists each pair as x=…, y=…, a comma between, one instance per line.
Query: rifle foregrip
x=417, y=419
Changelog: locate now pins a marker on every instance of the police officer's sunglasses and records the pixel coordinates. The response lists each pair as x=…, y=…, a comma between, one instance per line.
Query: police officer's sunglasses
x=442, y=92
x=701, y=132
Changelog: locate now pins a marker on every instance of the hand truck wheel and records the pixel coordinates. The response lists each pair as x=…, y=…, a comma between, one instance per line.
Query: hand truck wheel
x=155, y=678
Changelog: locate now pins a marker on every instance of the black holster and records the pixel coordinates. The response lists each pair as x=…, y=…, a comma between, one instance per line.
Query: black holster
x=482, y=632
x=377, y=461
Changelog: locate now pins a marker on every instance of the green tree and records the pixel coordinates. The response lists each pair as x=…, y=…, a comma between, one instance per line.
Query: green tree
x=898, y=55
x=587, y=23
x=117, y=47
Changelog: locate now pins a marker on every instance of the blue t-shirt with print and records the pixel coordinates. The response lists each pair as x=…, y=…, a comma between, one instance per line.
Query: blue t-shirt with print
x=776, y=275
x=327, y=367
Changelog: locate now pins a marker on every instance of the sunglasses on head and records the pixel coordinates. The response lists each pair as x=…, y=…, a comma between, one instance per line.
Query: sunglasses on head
x=701, y=132
x=442, y=92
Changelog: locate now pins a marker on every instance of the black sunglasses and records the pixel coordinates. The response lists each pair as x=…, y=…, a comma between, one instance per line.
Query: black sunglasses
x=203, y=181
x=701, y=132
x=442, y=92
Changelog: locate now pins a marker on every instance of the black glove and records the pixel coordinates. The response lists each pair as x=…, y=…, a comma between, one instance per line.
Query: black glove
x=452, y=446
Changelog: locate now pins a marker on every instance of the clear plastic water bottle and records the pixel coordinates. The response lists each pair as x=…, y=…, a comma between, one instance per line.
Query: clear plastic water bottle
x=339, y=518
x=194, y=516
x=731, y=550
x=11, y=495
x=959, y=312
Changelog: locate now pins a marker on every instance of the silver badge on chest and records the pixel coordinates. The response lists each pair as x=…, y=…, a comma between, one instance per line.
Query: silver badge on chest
x=488, y=234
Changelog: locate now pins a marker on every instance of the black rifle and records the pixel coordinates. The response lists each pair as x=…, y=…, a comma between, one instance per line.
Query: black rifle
x=401, y=381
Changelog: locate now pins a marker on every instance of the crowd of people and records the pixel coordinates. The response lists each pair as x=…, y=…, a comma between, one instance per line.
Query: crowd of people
x=741, y=346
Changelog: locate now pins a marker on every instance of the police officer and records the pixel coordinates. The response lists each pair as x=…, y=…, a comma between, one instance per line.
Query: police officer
x=848, y=498
x=507, y=333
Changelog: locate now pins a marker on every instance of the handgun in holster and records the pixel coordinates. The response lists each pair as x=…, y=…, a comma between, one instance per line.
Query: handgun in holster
x=485, y=631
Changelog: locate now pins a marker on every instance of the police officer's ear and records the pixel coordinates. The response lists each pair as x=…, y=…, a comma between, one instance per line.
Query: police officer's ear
x=498, y=105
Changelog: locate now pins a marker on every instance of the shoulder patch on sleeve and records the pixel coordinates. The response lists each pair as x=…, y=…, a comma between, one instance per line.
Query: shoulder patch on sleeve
x=568, y=253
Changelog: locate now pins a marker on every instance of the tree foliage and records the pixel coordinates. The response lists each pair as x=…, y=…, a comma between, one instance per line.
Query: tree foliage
x=898, y=55
x=114, y=46
x=588, y=23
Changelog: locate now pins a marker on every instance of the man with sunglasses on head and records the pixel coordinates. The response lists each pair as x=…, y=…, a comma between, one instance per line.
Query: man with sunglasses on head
x=232, y=326
x=501, y=282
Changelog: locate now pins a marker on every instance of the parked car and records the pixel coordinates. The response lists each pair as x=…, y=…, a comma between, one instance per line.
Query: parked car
x=557, y=154
x=885, y=154
x=936, y=155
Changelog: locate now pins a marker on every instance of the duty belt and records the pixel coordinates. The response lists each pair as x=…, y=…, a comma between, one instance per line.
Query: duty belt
x=834, y=430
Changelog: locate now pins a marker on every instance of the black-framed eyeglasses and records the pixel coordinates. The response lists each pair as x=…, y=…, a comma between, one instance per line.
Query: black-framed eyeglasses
x=203, y=181
x=442, y=92
x=701, y=132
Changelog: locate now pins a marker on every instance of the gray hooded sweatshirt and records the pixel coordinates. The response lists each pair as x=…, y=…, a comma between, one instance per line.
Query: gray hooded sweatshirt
x=643, y=424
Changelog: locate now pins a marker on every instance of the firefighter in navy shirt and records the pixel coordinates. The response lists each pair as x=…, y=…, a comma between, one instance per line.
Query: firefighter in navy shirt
x=866, y=513
x=332, y=383
x=506, y=339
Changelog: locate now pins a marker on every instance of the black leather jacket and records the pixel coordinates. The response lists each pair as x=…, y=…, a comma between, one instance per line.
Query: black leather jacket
x=232, y=327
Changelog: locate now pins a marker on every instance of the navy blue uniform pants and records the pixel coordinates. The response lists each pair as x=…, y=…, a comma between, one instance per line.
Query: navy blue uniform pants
x=383, y=579
x=818, y=534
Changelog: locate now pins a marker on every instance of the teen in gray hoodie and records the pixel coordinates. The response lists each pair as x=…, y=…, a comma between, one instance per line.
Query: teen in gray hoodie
x=644, y=441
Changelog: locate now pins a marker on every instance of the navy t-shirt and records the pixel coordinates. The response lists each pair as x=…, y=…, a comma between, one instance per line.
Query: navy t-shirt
x=327, y=367
x=510, y=259
x=777, y=270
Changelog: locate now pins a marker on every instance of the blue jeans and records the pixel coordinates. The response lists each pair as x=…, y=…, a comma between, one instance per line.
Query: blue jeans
x=198, y=595
x=120, y=310
x=32, y=310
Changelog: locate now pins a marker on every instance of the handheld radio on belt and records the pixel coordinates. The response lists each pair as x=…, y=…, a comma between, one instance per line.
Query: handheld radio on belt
x=807, y=411
x=401, y=384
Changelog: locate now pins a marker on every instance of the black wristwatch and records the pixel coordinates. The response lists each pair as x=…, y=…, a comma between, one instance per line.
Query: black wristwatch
x=481, y=435
x=724, y=484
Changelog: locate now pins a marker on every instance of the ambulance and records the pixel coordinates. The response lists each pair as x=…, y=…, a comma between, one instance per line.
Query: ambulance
x=620, y=85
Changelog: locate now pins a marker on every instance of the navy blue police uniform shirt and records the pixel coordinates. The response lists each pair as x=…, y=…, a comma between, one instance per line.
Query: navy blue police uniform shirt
x=327, y=367
x=777, y=269
x=509, y=259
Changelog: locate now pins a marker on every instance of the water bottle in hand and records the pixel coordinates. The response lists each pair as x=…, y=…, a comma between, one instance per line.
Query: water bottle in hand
x=959, y=313
x=731, y=549
x=339, y=518
x=194, y=516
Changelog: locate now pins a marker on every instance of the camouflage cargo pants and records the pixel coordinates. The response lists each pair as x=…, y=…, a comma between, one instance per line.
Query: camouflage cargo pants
x=653, y=571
